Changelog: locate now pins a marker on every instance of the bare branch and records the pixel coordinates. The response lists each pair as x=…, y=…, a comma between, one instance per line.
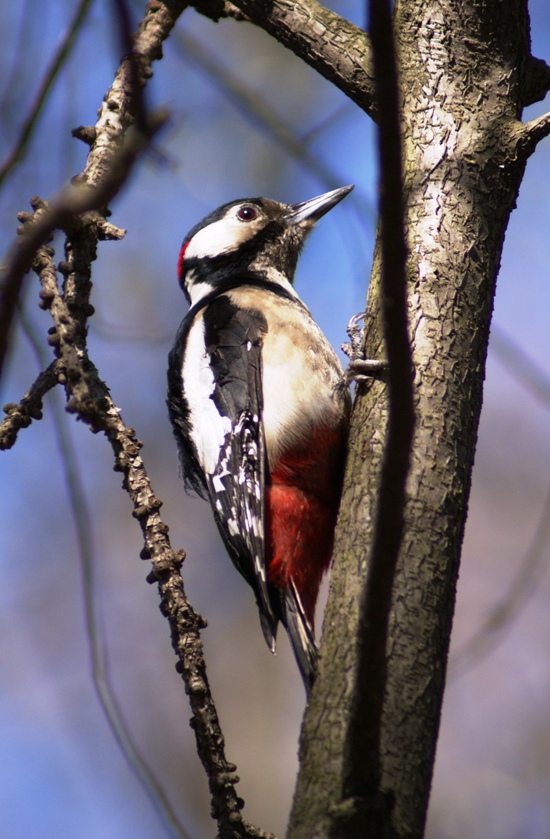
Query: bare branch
x=31, y=120
x=363, y=769
x=535, y=82
x=117, y=112
x=21, y=415
x=333, y=46
x=536, y=130
x=104, y=169
x=100, y=672
x=73, y=201
x=108, y=164
x=89, y=398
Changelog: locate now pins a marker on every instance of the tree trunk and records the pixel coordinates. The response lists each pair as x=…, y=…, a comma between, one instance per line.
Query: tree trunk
x=465, y=74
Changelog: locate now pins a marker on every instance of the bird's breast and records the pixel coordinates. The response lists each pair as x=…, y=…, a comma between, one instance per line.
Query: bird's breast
x=300, y=374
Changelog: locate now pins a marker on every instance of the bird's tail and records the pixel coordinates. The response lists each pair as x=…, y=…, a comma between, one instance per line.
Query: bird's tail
x=269, y=628
x=288, y=608
x=301, y=635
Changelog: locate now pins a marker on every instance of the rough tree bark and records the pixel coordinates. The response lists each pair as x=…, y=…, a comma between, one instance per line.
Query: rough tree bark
x=466, y=73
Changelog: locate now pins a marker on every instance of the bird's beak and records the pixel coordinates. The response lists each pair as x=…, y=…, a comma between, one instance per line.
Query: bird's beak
x=313, y=209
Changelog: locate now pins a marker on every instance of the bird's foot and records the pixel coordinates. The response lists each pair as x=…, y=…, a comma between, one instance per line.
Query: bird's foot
x=360, y=369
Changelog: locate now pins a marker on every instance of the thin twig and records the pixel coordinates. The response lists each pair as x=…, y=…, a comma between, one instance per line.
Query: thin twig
x=108, y=163
x=90, y=399
x=20, y=415
x=72, y=201
x=364, y=738
x=100, y=673
x=336, y=48
x=535, y=80
x=56, y=65
x=136, y=85
x=103, y=169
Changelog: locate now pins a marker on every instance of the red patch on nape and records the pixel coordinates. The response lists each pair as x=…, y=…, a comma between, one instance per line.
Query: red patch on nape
x=181, y=257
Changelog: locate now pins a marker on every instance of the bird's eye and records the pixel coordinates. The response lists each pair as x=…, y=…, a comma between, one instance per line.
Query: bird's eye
x=247, y=213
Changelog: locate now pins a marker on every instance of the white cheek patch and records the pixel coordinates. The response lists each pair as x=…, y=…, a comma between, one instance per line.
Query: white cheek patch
x=209, y=427
x=221, y=236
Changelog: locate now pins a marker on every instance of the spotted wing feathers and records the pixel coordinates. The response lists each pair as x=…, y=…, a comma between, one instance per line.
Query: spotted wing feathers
x=220, y=387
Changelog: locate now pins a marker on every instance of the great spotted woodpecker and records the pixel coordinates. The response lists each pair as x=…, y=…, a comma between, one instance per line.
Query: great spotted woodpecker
x=258, y=407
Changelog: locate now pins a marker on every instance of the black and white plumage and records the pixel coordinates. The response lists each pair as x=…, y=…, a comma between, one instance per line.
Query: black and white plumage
x=257, y=406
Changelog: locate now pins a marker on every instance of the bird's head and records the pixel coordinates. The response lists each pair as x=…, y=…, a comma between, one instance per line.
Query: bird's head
x=250, y=235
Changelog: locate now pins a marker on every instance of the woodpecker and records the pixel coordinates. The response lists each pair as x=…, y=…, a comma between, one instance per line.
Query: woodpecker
x=258, y=409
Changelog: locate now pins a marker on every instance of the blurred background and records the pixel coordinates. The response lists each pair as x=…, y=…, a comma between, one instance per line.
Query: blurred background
x=247, y=119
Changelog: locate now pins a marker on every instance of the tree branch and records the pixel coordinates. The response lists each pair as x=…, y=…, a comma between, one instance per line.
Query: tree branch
x=330, y=44
x=115, y=117
x=535, y=81
x=20, y=415
x=462, y=171
x=525, y=137
x=103, y=687
x=29, y=123
x=536, y=130
x=363, y=748
x=109, y=162
x=89, y=398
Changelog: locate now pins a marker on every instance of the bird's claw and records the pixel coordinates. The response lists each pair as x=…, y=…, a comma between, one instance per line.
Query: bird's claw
x=360, y=369
x=354, y=349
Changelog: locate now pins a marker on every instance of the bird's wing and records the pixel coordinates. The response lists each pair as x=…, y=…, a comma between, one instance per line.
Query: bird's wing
x=234, y=465
x=179, y=411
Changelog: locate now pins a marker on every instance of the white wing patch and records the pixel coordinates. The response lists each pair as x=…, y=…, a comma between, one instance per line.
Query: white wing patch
x=208, y=426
